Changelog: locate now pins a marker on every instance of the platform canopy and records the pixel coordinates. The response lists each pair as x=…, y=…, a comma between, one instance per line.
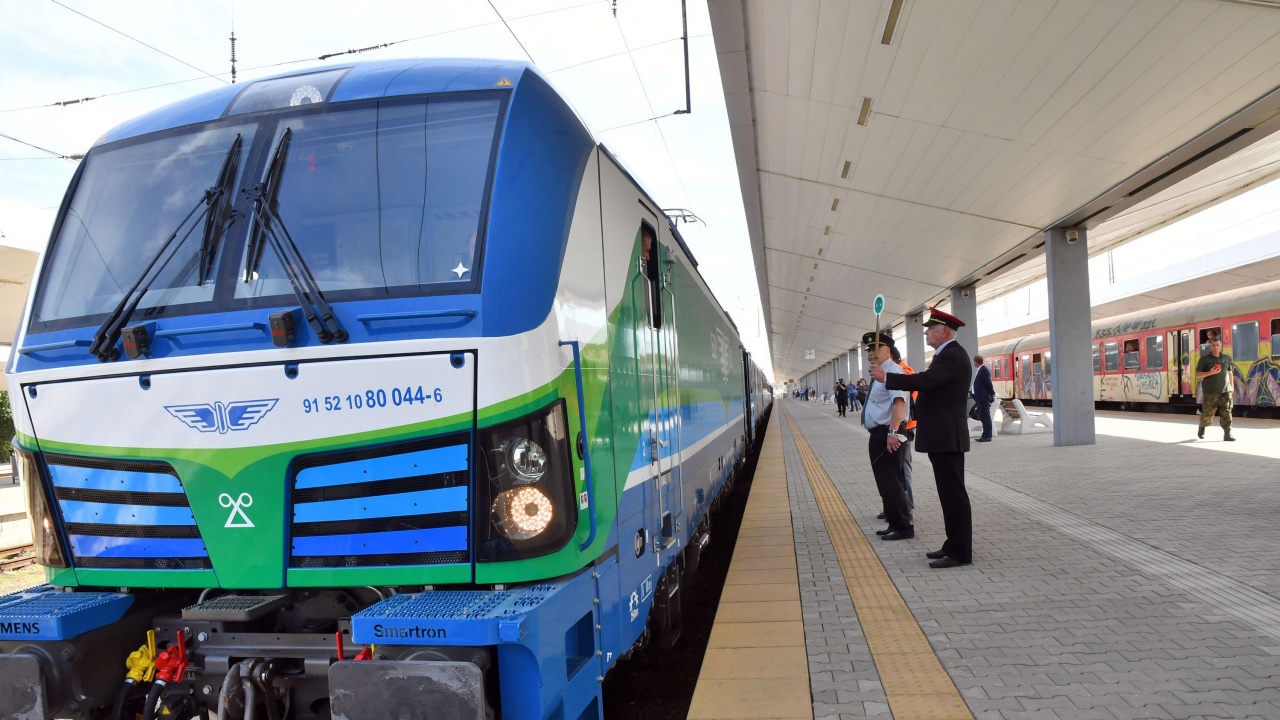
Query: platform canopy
x=906, y=147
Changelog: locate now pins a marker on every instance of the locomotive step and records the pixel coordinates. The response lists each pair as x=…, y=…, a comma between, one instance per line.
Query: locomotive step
x=234, y=608
x=46, y=613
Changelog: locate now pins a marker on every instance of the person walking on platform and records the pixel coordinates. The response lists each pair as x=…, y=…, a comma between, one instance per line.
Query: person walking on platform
x=1215, y=370
x=943, y=430
x=883, y=416
x=842, y=397
x=983, y=393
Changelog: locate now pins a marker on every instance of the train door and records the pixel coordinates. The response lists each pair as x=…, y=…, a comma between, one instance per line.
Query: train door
x=1111, y=376
x=1181, y=361
x=659, y=382
x=667, y=386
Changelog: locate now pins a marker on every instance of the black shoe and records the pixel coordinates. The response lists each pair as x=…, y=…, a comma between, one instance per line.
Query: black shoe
x=984, y=439
x=880, y=516
x=935, y=554
x=885, y=531
x=898, y=535
x=1228, y=438
x=1200, y=433
x=945, y=562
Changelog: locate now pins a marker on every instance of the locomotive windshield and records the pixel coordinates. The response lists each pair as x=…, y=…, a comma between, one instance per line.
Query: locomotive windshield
x=382, y=199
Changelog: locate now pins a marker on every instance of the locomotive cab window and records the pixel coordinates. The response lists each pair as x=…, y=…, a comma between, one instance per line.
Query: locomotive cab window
x=1111, y=355
x=651, y=269
x=1207, y=334
x=382, y=200
x=1097, y=359
x=1131, y=354
x=1275, y=337
x=1155, y=352
x=1244, y=341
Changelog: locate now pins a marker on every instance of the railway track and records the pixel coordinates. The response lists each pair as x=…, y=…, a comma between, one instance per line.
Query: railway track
x=17, y=558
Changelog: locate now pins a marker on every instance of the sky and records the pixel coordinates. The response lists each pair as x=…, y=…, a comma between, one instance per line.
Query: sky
x=623, y=74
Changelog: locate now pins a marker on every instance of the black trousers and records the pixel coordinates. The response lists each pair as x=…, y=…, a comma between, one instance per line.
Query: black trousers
x=957, y=516
x=984, y=416
x=886, y=467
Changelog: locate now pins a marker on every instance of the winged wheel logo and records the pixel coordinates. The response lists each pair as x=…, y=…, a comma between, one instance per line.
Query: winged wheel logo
x=222, y=417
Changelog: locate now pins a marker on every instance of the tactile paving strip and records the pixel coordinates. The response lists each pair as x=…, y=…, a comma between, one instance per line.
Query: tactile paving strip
x=917, y=686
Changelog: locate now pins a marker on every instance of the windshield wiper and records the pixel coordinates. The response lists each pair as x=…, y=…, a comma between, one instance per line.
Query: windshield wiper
x=221, y=215
x=104, y=339
x=266, y=219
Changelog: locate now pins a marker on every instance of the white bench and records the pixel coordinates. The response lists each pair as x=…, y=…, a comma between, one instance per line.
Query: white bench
x=1017, y=419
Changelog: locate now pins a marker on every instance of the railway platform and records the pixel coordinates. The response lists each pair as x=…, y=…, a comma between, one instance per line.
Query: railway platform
x=1134, y=578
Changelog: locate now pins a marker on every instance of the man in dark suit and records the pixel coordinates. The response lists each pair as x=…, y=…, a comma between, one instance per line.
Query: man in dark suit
x=942, y=430
x=983, y=393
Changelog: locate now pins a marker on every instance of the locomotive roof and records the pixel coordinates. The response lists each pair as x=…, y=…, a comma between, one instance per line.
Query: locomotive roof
x=361, y=81
x=1230, y=303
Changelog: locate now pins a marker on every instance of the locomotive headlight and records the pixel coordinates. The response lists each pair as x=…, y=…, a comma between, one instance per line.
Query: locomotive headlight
x=44, y=526
x=525, y=477
x=527, y=460
x=522, y=513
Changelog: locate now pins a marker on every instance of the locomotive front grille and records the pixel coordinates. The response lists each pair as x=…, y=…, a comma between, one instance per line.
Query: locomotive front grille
x=129, y=514
x=404, y=504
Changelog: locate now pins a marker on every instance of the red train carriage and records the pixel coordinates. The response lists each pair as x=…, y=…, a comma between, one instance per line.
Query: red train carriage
x=1148, y=358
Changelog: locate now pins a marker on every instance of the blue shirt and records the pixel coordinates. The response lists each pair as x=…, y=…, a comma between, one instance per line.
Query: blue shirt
x=879, y=408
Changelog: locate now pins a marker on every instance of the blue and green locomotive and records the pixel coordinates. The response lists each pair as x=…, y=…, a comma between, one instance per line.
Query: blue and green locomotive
x=375, y=391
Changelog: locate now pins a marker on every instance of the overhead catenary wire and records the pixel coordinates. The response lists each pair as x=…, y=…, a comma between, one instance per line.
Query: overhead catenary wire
x=513, y=32
x=675, y=168
x=41, y=149
x=268, y=66
x=153, y=47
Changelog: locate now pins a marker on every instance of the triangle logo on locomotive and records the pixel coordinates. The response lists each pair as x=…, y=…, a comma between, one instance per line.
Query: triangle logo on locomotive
x=221, y=417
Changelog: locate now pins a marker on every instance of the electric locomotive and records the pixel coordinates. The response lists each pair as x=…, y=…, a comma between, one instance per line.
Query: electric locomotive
x=370, y=391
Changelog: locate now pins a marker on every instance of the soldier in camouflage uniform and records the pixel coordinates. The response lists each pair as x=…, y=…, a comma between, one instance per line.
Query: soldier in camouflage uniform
x=1215, y=370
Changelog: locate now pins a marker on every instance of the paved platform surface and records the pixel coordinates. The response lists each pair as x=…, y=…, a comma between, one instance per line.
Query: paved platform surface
x=756, y=664
x=1135, y=578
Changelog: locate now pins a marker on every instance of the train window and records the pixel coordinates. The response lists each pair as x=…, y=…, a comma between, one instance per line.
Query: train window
x=1275, y=337
x=1004, y=364
x=1111, y=354
x=994, y=366
x=1048, y=364
x=1037, y=364
x=384, y=200
x=128, y=200
x=1207, y=334
x=1131, y=354
x=651, y=269
x=1097, y=359
x=1155, y=352
x=1244, y=341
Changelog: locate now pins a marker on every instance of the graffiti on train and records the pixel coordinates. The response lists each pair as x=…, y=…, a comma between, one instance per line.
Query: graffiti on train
x=1261, y=385
x=1124, y=328
x=1149, y=384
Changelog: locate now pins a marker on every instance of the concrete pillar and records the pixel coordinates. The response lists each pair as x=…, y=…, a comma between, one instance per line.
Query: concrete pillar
x=1070, y=337
x=915, y=342
x=964, y=305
